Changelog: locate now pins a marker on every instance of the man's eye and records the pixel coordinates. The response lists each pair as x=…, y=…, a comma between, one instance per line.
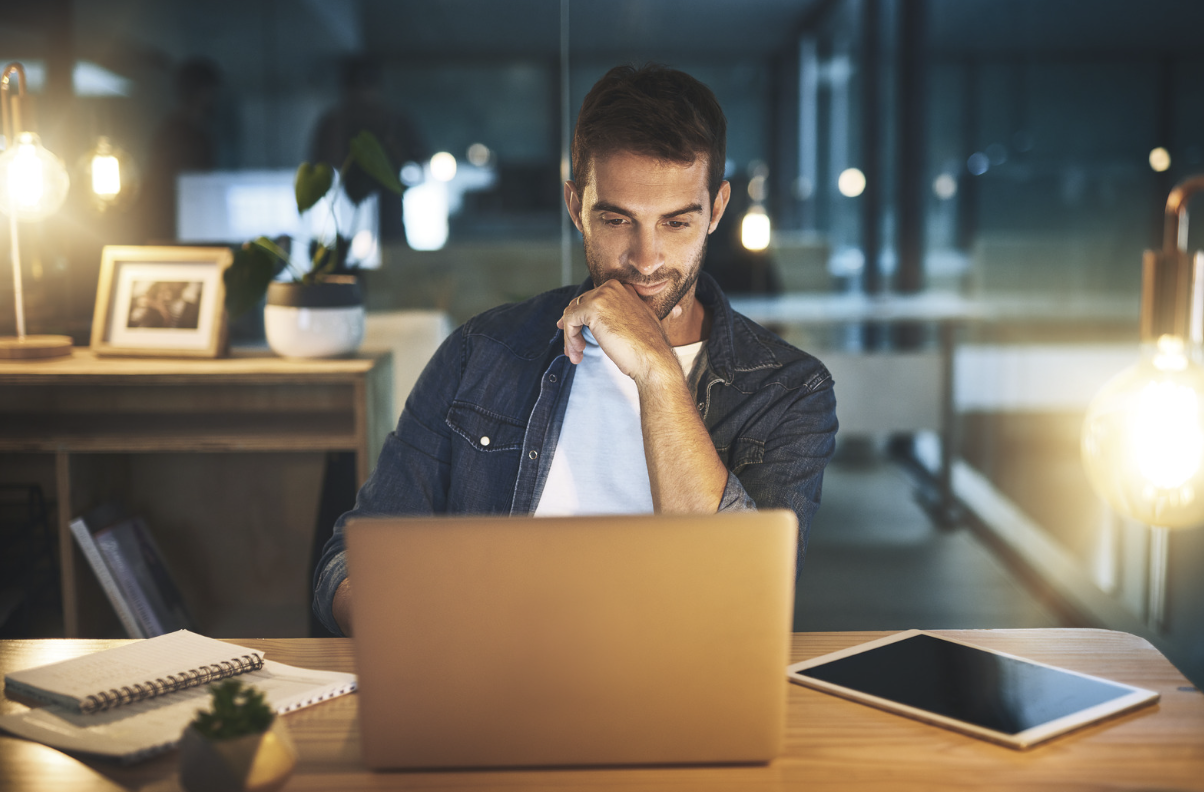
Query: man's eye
x=614, y=221
x=677, y=224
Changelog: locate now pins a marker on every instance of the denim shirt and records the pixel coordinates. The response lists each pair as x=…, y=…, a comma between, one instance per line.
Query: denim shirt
x=480, y=427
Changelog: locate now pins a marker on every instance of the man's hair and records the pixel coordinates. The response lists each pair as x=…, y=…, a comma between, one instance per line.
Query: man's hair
x=654, y=111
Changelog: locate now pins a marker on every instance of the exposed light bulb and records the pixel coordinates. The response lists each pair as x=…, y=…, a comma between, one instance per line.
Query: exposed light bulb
x=26, y=183
x=34, y=181
x=112, y=175
x=106, y=175
x=1143, y=438
x=1143, y=435
x=1165, y=434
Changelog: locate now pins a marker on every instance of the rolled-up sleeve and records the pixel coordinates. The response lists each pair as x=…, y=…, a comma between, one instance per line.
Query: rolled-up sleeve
x=735, y=499
x=790, y=471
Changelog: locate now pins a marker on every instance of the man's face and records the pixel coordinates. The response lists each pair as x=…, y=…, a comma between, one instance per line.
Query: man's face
x=646, y=223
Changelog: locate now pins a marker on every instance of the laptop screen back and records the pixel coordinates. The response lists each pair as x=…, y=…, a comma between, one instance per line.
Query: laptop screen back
x=571, y=641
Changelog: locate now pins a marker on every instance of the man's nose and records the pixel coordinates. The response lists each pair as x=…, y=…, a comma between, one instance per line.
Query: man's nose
x=646, y=254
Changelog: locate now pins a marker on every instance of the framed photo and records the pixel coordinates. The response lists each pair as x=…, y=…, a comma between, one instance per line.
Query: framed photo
x=161, y=301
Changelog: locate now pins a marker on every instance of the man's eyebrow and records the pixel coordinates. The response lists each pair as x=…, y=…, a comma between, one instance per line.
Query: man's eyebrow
x=606, y=206
x=691, y=209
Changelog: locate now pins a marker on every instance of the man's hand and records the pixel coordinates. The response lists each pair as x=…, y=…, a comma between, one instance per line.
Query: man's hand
x=626, y=329
x=685, y=474
x=341, y=606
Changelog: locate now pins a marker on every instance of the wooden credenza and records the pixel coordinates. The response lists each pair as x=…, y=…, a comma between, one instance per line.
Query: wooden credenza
x=223, y=458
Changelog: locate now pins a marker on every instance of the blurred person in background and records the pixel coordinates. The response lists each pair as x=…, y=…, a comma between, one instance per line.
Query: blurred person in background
x=362, y=107
x=184, y=142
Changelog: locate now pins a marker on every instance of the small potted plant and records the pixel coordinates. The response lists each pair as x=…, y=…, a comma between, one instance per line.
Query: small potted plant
x=240, y=745
x=320, y=313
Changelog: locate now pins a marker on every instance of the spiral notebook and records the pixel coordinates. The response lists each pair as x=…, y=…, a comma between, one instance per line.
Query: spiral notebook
x=135, y=700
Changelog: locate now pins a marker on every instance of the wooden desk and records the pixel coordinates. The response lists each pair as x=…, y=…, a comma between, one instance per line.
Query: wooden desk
x=831, y=744
x=209, y=452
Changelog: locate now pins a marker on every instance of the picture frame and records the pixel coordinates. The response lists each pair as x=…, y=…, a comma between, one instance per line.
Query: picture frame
x=163, y=301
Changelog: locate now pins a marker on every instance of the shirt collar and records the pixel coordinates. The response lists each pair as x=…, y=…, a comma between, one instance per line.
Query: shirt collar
x=721, y=345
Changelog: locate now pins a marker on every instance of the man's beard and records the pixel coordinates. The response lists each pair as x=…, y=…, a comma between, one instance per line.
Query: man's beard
x=681, y=282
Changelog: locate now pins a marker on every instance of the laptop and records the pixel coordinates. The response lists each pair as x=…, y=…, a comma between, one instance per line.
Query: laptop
x=621, y=640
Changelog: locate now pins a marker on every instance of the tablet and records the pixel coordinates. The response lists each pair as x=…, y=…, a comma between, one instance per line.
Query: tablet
x=971, y=689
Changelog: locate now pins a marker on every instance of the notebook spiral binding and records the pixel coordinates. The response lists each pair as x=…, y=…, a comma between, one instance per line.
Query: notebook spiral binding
x=128, y=694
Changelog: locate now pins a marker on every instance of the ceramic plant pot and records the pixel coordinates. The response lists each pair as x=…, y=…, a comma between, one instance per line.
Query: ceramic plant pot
x=320, y=320
x=255, y=763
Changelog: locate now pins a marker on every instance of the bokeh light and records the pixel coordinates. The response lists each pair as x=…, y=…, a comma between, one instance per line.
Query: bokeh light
x=978, y=163
x=479, y=154
x=944, y=186
x=1160, y=159
x=851, y=182
x=443, y=166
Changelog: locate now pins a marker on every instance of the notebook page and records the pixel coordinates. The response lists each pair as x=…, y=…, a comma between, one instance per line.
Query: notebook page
x=138, y=730
x=130, y=664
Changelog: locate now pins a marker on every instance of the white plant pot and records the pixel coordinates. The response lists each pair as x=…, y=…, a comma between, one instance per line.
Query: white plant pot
x=254, y=763
x=318, y=321
x=313, y=332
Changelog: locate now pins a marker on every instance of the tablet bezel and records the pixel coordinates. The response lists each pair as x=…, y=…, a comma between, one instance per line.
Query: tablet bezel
x=1137, y=697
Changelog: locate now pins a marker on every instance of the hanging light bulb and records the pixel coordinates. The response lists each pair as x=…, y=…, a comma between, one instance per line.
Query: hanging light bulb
x=111, y=174
x=33, y=182
x=1143, y=436
x=106, y=176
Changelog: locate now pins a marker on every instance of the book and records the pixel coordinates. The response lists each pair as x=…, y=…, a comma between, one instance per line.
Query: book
x=130, y=569
x=142, y=577
x=134, y=701
x=87, y=545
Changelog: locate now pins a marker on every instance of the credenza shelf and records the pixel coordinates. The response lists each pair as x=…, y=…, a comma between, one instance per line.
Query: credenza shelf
x=122, y=432
x=224, y=458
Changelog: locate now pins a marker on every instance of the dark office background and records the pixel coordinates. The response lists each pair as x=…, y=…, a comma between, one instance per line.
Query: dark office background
x=1006, y=147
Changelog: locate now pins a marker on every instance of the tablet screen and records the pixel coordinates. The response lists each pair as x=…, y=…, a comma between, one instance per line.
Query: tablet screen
x=965, y=683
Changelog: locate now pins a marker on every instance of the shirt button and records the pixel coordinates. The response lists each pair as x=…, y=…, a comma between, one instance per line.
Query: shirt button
x=701, y=406
x=551, y=377
x=534, y=455
x=484, y=441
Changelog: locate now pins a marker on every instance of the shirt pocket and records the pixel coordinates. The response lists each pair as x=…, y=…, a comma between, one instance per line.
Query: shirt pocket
x=745, y=451
x=485, y=430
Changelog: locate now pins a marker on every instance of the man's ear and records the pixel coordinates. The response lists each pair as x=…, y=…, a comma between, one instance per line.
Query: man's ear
x=720, y=205
x=572, y=202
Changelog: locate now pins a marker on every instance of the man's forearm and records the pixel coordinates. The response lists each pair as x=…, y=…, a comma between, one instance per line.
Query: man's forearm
x=686, y=475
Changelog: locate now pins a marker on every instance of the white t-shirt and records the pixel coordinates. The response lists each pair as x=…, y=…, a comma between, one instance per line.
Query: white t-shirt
x=599, y=465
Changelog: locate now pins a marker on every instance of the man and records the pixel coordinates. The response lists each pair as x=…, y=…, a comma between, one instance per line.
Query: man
x=638, y=391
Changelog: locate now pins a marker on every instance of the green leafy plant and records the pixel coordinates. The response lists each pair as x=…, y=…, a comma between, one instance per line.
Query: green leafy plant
x=238, y=710
x=257, y=262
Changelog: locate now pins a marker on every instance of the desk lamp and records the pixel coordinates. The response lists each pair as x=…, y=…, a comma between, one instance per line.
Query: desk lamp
x=33, y=185
x=1143, y=437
